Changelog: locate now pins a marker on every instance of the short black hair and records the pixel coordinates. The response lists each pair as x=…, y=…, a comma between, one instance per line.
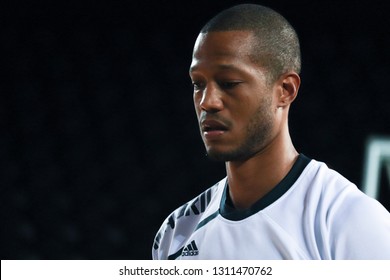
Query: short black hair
x=277, y=46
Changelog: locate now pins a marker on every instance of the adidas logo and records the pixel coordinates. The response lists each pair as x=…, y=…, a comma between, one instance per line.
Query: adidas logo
x=190, y=250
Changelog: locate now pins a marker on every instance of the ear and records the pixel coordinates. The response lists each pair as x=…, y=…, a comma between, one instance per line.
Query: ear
x=290, y=83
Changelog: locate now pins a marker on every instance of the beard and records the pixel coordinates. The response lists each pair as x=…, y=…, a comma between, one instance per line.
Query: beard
x=257, y=135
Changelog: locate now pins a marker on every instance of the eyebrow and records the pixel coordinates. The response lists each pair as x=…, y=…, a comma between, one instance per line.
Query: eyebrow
x=220, y=66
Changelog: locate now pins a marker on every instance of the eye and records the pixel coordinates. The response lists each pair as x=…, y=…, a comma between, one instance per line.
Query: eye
x=229, y=84
x=197, y=85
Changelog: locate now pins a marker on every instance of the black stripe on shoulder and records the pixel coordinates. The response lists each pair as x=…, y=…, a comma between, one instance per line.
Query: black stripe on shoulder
x=208, y=219
x=176, y=255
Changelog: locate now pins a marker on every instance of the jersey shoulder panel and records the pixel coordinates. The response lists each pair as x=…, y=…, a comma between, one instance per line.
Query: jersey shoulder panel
x=352, y=224
x=358, y=225
x=183, y=221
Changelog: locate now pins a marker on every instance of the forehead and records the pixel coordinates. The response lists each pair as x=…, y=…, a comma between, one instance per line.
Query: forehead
x=223, y=48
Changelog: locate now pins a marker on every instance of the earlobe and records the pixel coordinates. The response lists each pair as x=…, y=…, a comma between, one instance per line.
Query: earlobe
x=290, y=83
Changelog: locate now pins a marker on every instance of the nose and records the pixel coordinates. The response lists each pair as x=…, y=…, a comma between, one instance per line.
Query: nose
x=211, y=99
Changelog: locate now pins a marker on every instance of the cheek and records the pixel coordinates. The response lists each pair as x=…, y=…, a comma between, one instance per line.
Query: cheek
x=242, y=119
x=244, y=109
x=196, y=106
x=197, y=97
x=254, y=110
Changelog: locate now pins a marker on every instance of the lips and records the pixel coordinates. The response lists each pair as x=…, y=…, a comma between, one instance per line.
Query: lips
x=212, y=125
x=213, y=128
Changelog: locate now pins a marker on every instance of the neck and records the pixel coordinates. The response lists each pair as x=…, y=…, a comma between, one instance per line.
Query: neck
x=251, y=179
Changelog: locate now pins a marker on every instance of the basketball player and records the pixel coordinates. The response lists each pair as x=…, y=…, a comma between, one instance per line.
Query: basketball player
x=274, y=203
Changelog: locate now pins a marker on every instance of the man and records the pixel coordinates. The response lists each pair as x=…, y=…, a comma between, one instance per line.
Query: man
x=274, y=202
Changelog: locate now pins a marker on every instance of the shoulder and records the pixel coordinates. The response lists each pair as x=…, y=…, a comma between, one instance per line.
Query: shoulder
x=321, y=174
x=336, y=192
x=180, y=224
x=320, y=185
x=357, y=226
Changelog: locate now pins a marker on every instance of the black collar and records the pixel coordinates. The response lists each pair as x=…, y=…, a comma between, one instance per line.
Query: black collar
x=228, y=211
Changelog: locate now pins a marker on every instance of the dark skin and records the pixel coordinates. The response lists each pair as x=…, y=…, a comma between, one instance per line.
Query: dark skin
x=243, y=117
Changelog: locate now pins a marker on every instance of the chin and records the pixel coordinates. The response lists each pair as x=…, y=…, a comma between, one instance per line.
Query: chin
x=234, y=155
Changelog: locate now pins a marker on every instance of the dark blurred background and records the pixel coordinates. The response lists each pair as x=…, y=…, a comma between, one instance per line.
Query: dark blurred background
x=99, y=139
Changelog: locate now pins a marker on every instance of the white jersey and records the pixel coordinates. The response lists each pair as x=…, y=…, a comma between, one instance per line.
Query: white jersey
x=313, y=213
